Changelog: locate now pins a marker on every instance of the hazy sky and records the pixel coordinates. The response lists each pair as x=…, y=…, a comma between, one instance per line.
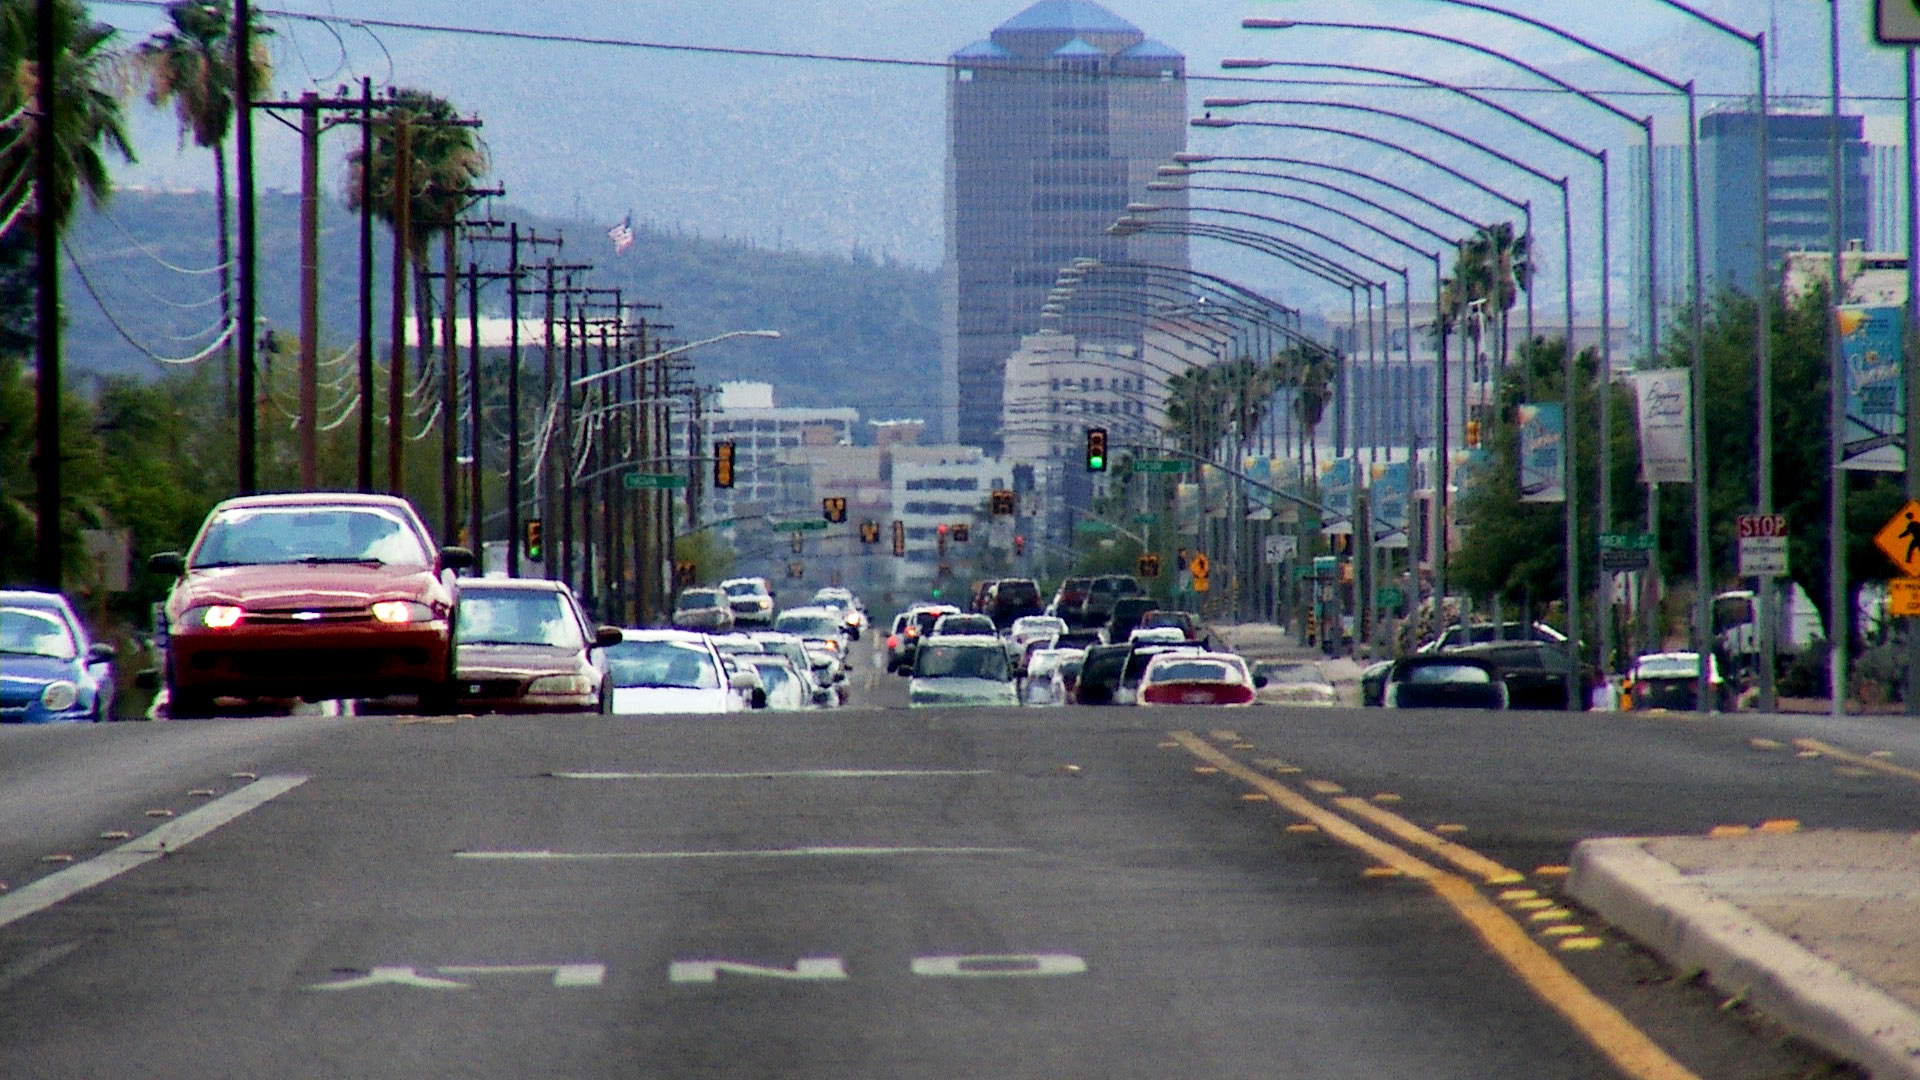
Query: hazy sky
x=832, y=156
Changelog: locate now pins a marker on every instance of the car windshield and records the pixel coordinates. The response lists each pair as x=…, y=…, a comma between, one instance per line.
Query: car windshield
x=1177, y=619
x=516, y=617
x=962, y=661
x=807, y=624
x=36, y=632
x=261, y=535
x=743, y=588
x=1042, y=663
x=1196, y=671
x=965, y=624
x=1670, y=667
x=1290, y=673
x=1039, y=624
x=700, y=598
x=675, y=664
x=1447, y=674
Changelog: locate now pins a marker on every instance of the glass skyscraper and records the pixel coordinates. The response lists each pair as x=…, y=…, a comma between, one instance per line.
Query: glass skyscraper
x=1054, y=124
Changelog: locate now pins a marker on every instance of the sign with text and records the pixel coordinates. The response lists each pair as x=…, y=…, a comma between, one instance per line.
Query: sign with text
x=1666, y=427
x=1391, y=489
x=1281, y=548
x=1876, y=429
x=654, y=481
x=1159, y=465
x=1543, y=446
x=1903, y=597
x=804, y=525
x=1336, y=491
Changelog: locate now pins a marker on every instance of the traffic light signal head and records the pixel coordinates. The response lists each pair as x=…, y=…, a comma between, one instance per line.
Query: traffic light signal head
x=533, y=550
x=1097, y=449
x=1473, y=433
x=1019, y=545
x=899, y=538
x=834, y=508
x=723, y=464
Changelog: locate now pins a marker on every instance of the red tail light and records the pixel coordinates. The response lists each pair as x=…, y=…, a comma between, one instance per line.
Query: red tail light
x=1194, y=693
x=893, y=641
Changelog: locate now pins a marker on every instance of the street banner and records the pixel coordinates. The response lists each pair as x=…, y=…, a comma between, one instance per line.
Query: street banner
x=1666, y=426
x=1876, y=428
x=1468, y=469
x=1543, y=446
x=1259, y=500
x=1391, y=487
x=1336, y=493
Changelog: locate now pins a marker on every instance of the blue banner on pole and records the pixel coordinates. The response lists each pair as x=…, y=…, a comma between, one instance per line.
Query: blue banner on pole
x=1390, y=489
x=1336, y=492
x=1876, y=428
x=1543, y=453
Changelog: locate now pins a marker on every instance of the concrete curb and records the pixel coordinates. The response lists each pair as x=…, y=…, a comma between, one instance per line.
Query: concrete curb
x=1650, y=900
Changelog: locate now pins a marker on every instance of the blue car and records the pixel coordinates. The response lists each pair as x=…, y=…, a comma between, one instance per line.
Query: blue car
x=50, y=671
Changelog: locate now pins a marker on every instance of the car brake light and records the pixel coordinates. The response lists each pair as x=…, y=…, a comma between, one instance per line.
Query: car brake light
x=893, y=641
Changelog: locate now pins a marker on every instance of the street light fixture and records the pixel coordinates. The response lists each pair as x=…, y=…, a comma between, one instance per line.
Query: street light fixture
x=585, y=380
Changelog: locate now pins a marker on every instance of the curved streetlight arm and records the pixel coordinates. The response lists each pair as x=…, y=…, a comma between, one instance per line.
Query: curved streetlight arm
x=1257, y=241
x=1224, y=283
x=1223, y=321
x=1184, y=170
x=1286, y=251
x=1417, y=121
x=1320, y=129
x=1284, y=223
x=1252, y=310
x=1227, y=189
x=677, y=350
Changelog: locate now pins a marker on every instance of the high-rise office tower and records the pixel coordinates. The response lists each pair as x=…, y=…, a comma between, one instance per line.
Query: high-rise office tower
x=1798, y=183
x=1054, y=124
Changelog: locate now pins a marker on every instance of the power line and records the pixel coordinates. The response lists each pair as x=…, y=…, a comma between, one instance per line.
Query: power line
x=119, y=328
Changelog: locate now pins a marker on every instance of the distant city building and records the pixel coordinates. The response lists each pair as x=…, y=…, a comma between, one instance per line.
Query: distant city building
x=764, y=481
x=1798, y=189
x=1054, y=124
x=1888, y=231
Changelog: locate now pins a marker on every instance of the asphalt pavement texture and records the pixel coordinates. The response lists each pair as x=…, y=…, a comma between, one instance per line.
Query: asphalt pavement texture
x=873, y=891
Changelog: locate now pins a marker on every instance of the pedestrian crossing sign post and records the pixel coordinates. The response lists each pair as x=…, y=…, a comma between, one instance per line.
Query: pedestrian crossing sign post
x=1900, y=539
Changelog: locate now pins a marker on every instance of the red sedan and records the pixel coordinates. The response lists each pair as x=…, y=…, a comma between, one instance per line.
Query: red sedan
x=1197, y=678
x=314, y=596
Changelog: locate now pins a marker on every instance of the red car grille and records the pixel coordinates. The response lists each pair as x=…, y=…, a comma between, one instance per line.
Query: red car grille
x=344, y=663
x=309, y=616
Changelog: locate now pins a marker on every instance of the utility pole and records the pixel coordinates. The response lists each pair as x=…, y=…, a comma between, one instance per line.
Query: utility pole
x=309, y=289
x=47, y=317
x=548, y=490
x=364, y=466
x=397, y=354
x=243, y=165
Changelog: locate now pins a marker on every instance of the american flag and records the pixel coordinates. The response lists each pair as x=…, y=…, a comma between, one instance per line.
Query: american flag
x=622, y=235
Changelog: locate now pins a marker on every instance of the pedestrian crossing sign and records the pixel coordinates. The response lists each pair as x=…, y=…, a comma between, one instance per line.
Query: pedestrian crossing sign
x=1900, y=539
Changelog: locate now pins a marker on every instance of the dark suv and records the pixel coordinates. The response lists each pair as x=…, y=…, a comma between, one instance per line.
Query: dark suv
x=1127, y=613
x=1103, y=592
x=1535, y=672
x=1070, y=600
x=1012, y=598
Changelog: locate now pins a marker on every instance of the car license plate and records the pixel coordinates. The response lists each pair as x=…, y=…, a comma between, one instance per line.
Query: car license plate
x=1196, y=697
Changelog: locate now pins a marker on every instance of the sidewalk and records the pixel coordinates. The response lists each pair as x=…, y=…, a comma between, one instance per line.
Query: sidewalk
x=1820, y=930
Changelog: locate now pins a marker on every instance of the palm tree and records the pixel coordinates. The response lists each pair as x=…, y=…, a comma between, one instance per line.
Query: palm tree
x=443, y=162
x=1197, y=410
x=192, y=66
x=89, y=123
x=1497, y=262
x=1310, y=373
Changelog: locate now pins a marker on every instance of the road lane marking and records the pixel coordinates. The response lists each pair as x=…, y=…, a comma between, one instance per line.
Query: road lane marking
x=161, y=841
x=1599, y=1022
x=392, y=976
x=1225, y=736
x=1814, y=748
x=564, y=975
x=789, y=774
x=1013, y=965
x=1465, y=858
x=764, y=853
x=1325, y=787
x=805, y=969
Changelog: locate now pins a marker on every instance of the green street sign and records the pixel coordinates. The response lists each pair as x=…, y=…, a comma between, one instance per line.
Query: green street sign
x=1159, y=465
x=1389, y=596
x=1146, y=519
x=1627, y=542
x=1092, y=527
x=803, y=525
x=655, y=481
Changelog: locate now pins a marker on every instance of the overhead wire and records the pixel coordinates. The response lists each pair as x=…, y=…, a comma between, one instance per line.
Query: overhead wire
x=120, y=328
x=149, y=253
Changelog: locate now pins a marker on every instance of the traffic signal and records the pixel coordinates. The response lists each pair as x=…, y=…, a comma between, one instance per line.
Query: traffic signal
x=1473, y=433
x=1019, y=545
x=723, y=464
x=796, y=543
x=531, y=549
x=1149, y=565
x=1097, y=449
x=1001, y=502
x=869, y=532
x=685, y=572
x=899, y=538
x=943, y=540
x=834, y=508
x=960, y=532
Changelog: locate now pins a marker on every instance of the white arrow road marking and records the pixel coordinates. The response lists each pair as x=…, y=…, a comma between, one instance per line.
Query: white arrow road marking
x=564, y=975
x=804, y=774
x=769, y=853
x=141, y=850
x=392, y=976
x=708, y=971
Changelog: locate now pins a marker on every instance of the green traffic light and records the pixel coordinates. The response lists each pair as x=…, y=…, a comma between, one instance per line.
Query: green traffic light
x=1096, y=462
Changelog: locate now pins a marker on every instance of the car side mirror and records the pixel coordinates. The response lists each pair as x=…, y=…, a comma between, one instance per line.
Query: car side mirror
x=822, y=697
x=608, y=635
x=148, y=679
x=455, y=558
x=168, y=563
x=757, y=697
x=101, y=651
x=1259, y=682
x=840, y=676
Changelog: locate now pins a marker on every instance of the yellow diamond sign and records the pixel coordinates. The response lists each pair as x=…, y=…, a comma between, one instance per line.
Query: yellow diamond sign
x=1900, y=539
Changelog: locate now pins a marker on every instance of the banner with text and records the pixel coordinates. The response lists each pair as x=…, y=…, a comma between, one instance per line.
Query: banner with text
x=1666, y=427
x=1467, y=471
x=1876, y=429
x=1543, y=445
x=1336, y=492
x=1391, y=488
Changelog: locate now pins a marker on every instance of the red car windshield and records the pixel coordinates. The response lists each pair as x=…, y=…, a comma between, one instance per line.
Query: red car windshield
x=265, y=535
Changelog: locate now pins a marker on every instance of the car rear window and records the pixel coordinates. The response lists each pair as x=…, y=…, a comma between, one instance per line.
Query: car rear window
x=1195, y=671
x=516, y=617
x=807, y=625
x=1447, y=674
x=700, y=598
x=1017, y=592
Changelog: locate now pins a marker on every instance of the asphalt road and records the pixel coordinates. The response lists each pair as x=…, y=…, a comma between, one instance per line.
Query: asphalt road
x=875, y=892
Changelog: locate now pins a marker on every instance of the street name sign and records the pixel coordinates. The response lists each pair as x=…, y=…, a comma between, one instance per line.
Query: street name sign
x=1281, y=548
x=803, y=525
x=655, y=481
x=1159, y=465
x=1900, y=539
x=1622, y=553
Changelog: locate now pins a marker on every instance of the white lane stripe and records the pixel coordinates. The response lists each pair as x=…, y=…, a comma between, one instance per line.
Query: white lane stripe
x=805, y=774
x=170, y=837
x=767, y=853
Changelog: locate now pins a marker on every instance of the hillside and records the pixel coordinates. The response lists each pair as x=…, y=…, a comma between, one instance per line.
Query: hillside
x=856, y=331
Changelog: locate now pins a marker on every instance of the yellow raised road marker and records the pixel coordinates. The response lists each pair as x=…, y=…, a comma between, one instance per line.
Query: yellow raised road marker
x=1535, y=904
x=1263, y=763
x=1467, y=859
x=1204, y=770
x=1564, y=930
x=1450, y=827
x=1386, y=797
x=1225, y=736
x=1814, y=748
x=1552, y=870
x=1722, y=832
x=1601, y=1024
x=1326, y=787
x=1169, y=746
x=1579, y=944
x=1380, y=872
x=1766, y=744
x=1243, y=746
x=1551, y=915
x=1780, y=825
x=1303, y=828
x=1518, y=894
x=1808, y=754
x=1255, y=796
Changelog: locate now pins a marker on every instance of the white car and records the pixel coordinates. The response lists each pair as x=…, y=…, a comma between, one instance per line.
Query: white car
x=1196, y=678
x=1157, y=635
x=1042, y=685
x=820, y=690
x=965, y=669
x=672, y=671
x=1031, y=628
x=1293, y=682
x=787, y=689
x=751, y=599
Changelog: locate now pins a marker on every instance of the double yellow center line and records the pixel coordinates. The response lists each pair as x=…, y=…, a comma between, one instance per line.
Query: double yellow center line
x=1601, y=1024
